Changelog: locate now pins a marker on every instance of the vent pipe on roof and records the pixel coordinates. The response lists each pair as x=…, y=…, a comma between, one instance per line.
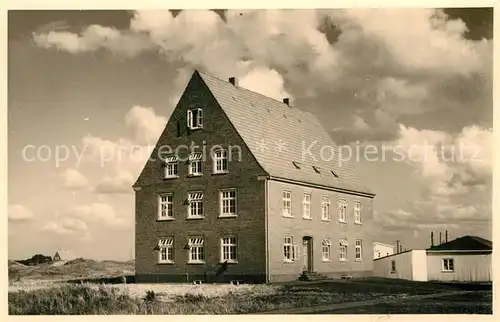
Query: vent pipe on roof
x=440, y=238
x=233, y=81
x=446, y=236
x=286, y=100
x=432, y=238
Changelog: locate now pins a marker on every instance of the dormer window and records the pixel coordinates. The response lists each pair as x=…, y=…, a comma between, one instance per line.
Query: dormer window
x=195, y=118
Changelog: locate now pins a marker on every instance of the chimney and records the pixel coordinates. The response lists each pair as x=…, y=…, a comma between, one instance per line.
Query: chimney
x=397, y=246
x=286, y=100
x=446, y=236
x=440, y=238
x=233, y=81
x=432, y=238
x=400, y=248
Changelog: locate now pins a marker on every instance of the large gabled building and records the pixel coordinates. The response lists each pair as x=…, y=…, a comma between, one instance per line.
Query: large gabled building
x=262, y=197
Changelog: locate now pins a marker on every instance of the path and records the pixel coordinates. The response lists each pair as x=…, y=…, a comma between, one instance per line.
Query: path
x=338, y=306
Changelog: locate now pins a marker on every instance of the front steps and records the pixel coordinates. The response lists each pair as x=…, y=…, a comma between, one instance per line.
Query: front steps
x=311, y=276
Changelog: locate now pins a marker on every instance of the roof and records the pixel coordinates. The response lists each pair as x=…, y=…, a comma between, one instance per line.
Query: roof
x=382, y=244
x=258, y=119
x=464, y=243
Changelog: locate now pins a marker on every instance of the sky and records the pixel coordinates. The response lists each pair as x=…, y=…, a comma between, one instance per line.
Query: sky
x=87, y=87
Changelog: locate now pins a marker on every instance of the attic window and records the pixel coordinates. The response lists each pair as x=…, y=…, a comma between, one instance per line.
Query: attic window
x=316, y=169
x=296, y=165
x=195, y=118
x=333, y=172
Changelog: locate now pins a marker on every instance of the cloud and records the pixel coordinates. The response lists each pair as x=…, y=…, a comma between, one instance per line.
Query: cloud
x=121, y=182
x=74, y=180
x=265, y=81
x=145, y=124
x=66, y=226
x=99, y=213
x=19, y=213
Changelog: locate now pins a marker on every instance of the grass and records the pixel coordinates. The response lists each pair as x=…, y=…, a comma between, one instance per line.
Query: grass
x=86, y=299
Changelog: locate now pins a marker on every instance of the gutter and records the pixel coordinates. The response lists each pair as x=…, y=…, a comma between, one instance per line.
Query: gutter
x=307, y=184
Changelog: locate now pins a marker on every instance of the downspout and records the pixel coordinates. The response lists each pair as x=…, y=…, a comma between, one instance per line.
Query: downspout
x=266, y=214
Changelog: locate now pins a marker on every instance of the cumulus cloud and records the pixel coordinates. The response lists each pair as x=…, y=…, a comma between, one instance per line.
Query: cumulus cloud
x=66, y=226
x=99, y=213
x=19, y=213
x=145, y=124
x=74, y=180
x=121, y=182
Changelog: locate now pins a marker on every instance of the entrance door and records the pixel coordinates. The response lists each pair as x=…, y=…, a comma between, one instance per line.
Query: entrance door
x=307, y=254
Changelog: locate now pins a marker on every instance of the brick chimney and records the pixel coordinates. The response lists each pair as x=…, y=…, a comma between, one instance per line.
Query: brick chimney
x=233, y=81
x=286, y=100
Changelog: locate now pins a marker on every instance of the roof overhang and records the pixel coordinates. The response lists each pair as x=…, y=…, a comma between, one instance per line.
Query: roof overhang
x=319, y=186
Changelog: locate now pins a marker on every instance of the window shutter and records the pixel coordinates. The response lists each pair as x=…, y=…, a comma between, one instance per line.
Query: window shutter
x=295, y=254
x=200, y=117
x=190, y=119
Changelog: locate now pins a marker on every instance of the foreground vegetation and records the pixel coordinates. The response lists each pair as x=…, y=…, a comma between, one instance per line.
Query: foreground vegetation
x=86, y=299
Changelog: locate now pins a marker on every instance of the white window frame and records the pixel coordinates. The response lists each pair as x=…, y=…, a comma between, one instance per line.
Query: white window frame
x=166, y=207
x=195, y=199
x=326, y=247
x=445, y=264
x=357, y=212
x=195, y=165
x=221, y=161
x=306, y=206
x=325, y=209
x=342, y=210
x=290, y=251
x=286, y=203
x=228, y=246
x=358, y=250
x=230, y=199
x=343, y=250
x=195, y=122
x=166, y=245
x=171, y=168
x=196, y=250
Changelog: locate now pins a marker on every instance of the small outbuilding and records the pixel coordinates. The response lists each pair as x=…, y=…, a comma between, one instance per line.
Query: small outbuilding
x=465, y=259
x=63, y=255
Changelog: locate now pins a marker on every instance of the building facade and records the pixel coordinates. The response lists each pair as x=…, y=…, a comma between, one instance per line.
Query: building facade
x=382, y=250
x=227, y=194
x=465, y=259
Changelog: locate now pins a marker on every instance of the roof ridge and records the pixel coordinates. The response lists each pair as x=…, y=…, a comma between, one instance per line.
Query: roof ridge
x=248, y=90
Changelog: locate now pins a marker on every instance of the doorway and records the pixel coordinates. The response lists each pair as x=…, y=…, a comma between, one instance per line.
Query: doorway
x=307, y=253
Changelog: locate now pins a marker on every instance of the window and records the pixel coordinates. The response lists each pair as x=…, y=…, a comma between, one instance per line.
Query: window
x=287, y=203
x=171, y=167
x=195, y=164
x=342, y=211
x=448, y=265
x=358, y=250
x=166, y=207
x=228, y=203
x=343, y=250
x=325, y=208
x=220, y=161
x=166, y=254
x=357, y=212
x=306, y=206
x=228, y=249
x=290, y=251
x=393, y=266
x=325, y=249
x=195, y=118
x=195, y=201
x=196, y=251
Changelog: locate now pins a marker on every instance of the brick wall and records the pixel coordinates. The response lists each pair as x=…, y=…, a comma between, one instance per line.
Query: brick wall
x=297, y=227
x=248, y=226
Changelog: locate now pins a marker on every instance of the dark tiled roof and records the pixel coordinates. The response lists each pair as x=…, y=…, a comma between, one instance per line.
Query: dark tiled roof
x=465, y=243
x=258, y=118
